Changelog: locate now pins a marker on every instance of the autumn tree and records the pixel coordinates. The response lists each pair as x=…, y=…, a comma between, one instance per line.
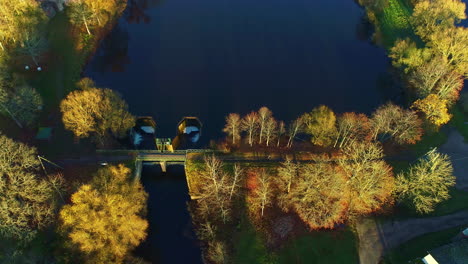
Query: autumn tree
x=426, y=183
x=452, y=44
x=80, y=13
x=106, y=218
x=23, y=104
x=34, y=45
x=288, y=170
x=233, y=127
x=436, y=16
x=264, y=114
x=218, y=190
x=17, y=20
x=437, y=77
x=370, y=181
x=320, y=123
x=280, y=131
x=316, y=194
x=250, y=126
x=96, y=111
x=390, y=121
x=262, y=194
x=406, y=55
x=295, y=127
x=433, y=108
x=27, y=201
x=104, y=10
x=351, y=127
x=269, y=130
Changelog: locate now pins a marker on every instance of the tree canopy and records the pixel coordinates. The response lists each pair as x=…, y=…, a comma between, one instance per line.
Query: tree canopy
x=320, y=123
x=27, y=201
x=96, y=111
x=106, y=217
x=426, y=183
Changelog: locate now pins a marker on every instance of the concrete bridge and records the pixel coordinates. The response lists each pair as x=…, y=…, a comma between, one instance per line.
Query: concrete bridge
x=162, y=158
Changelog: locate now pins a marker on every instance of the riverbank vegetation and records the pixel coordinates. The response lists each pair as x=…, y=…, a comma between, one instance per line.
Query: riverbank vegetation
x=327, y=190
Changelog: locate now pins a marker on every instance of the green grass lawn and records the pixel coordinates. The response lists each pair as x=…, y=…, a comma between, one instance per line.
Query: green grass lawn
x=321, y=247
x=394, y=22
x=316, y=247
x=413, y=250
x=430, y=140
x=249, y=247
x=64, y=63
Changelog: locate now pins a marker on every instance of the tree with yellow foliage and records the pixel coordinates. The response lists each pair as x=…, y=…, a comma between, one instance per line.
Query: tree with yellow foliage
x=432, y=16
x=104, y=10
x=433, y=108
x=452, y=44
x=370, y=181
x=27, y=201
x=17, y=20
x=320, y=123
x=316, y=193
x=426, y=183
x=105, y=220
x=96, y=111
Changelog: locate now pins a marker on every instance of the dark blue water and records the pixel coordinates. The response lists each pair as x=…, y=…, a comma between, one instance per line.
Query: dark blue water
x=211, y=57
x=171, y=239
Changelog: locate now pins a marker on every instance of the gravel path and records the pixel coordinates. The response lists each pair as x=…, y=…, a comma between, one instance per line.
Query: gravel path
x=457, y=149
x=376, y=238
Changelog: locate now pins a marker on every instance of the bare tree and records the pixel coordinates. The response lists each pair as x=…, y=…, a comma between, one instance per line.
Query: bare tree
x=233, y=127
x=237, y=175
x=390, y=121
x=264, y=114
x=352, y=127
x=294, y=128
x=370, y=179
x=269, y=130
x=262, y=194
x=280, y=132
x=250, y=125
x=286, y=173
x=427, y=182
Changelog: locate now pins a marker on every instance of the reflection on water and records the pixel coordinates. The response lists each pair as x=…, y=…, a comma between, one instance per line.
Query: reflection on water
x=171, y=239
x=113, y=52
x=137, y=10
x=207, y=58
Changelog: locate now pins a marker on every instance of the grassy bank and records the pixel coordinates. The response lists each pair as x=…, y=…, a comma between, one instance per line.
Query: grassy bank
x=337, y=246
x=393, y=22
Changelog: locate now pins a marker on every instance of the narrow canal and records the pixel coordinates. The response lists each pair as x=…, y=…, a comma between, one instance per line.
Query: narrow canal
x=171, y=239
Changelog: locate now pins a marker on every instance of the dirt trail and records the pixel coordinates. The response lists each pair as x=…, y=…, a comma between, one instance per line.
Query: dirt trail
x=376, y=238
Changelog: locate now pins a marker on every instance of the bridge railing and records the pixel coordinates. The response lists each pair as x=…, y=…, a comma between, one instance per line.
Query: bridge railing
x=148, y=151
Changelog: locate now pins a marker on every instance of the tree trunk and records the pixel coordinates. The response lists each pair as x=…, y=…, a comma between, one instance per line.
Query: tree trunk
x=86, y=25
x=13, y=117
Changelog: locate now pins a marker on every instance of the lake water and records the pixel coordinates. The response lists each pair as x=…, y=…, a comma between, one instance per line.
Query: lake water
x=208, y=58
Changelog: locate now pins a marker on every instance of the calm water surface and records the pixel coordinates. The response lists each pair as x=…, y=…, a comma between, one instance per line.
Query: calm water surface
x=211, y=57
x=171, y=239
